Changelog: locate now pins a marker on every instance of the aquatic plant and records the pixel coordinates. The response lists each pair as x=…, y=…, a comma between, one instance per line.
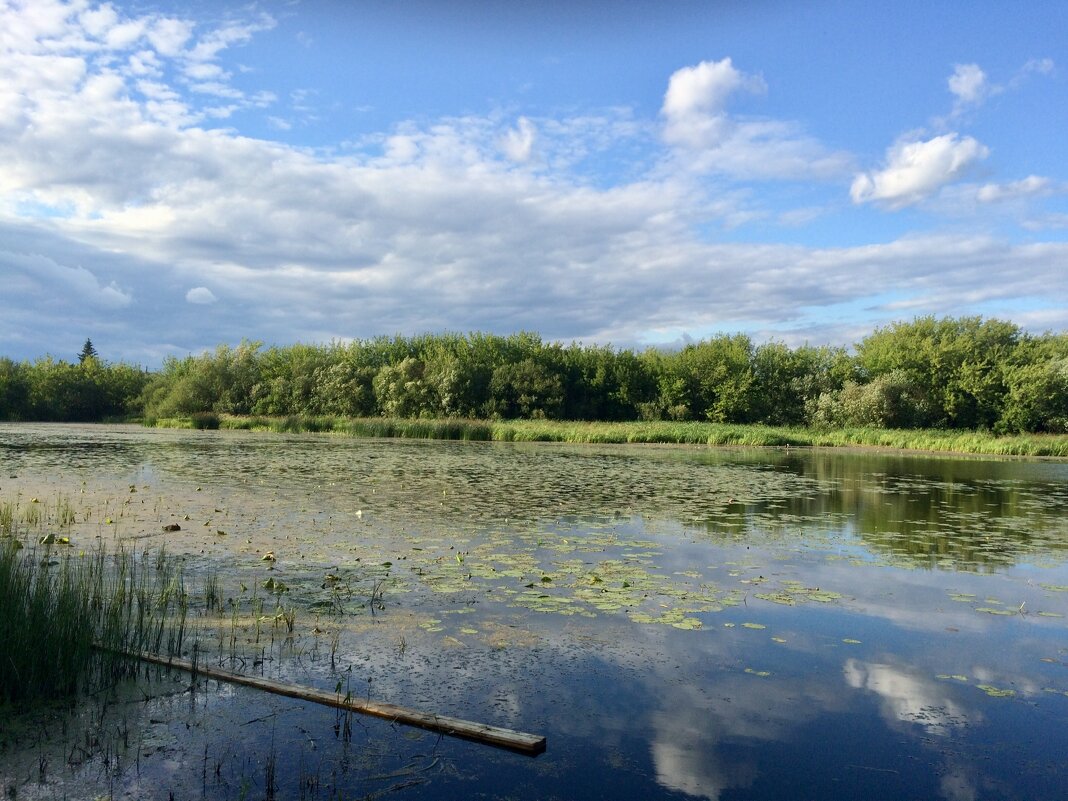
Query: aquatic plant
x=654, y=432
x=72, y=621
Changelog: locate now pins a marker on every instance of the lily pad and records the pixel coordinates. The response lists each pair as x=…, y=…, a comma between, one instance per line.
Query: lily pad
x=995, y=692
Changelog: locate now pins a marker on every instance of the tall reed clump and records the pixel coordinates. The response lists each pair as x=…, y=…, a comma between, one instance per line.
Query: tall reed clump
x=73, y=622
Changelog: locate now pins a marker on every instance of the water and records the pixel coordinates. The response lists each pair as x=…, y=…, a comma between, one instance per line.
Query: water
x=678, y=622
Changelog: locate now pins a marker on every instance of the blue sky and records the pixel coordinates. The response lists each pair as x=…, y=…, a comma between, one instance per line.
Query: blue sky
x=178, y=175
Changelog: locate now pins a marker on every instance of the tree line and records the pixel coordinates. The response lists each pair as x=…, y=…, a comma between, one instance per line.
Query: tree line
x=960, y=373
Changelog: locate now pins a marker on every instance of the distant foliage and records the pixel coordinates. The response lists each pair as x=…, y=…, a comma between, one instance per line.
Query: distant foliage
x=960, y=374
x=49, y=390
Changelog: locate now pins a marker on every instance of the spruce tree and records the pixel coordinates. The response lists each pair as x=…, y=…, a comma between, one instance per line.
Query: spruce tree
x=88, y=351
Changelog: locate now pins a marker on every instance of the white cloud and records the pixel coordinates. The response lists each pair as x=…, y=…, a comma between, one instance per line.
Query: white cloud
x=704, y=88
x=709, y=139
x=168, y=36
x=112, y=297
x=97, y=21
x=430, y=226
x=208, y=47
x=695, y=99
x=968, y=82
x=1043, y=66
x=971, y=87
x=917, y=169
x=205, y=71
x=1031, y=186
x=518, y=143
x=200, y=295
x=1045, y=222
x=1034, y=66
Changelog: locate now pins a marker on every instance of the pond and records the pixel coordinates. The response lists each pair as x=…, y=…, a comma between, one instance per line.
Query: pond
x=677, y=622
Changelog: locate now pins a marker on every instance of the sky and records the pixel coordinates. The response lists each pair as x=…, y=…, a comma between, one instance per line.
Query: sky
x=176, y=176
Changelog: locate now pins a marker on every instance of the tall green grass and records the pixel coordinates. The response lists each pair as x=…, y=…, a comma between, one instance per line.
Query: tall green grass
x=70, y=621
x=679, y=433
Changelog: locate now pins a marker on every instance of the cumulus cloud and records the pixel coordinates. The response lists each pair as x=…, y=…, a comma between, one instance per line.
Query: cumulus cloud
x=703, y=89
x=916, y=169
x=200, y=295
x=424, y=227
x=696, y=122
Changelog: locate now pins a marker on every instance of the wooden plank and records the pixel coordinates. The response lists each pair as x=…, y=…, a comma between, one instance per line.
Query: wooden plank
x=531, y=744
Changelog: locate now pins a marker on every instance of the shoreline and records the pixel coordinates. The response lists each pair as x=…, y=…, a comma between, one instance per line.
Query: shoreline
x=934, y=441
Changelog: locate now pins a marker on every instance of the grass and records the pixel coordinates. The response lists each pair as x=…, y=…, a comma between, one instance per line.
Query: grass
x=680, y=433
x=69, y=618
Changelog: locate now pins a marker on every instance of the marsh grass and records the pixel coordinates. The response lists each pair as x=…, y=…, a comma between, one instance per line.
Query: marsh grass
x=8, y=518
x=668, y=432
x=71, y=620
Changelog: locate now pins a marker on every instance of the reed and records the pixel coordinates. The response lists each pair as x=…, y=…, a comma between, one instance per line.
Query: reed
x=670, y=432
x=71, y=619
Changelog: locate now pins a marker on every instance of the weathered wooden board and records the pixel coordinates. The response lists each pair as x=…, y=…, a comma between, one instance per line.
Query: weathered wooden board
x=522, y=742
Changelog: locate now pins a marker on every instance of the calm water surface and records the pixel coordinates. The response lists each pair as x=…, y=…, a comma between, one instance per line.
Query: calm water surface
x=678, y=622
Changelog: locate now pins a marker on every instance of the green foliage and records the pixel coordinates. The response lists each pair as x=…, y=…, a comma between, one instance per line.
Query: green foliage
x=1037, y=398
x=956, y=365
x=401, y=389
x=225, y=381
x=714, y=379
x=965, y=373
x=525, y=389
x=52, y=390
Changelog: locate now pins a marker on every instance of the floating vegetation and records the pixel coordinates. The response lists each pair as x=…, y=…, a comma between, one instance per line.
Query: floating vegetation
x=794, y=592
x=995, y=692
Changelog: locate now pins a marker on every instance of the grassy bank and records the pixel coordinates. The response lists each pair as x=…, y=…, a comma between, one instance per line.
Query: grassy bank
x=681, y=433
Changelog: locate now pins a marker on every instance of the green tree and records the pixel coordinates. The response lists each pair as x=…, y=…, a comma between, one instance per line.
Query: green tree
x=226, y=381
x=14, y=390
x=401, y=390
x=1037, y=381
x=525, y=389
x=718, y=378
x=956, y=365
x=88, y=352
